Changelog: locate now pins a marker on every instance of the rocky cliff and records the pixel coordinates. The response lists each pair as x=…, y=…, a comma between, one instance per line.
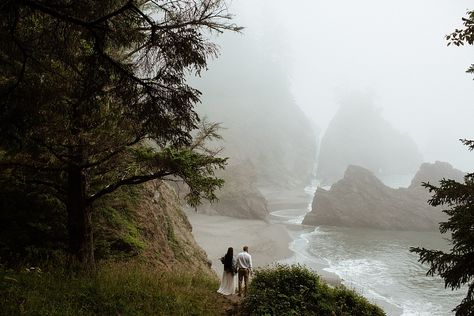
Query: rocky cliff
x=264, y=132
x=360, y=199
x=249, y=93
x=239, y=197
x=358, y=135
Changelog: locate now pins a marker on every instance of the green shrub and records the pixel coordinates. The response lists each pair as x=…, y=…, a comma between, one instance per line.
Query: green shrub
x=295, y=290
x=116, y=289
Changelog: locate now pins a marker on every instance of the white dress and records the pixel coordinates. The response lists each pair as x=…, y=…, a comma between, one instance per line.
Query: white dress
x=227, y=282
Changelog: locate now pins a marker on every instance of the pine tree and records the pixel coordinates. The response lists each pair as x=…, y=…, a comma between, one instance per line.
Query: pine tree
x=457, y=266
x=93, y=97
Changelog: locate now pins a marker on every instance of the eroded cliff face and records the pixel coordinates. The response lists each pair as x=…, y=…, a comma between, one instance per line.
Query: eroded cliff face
x=360, y=199
x=166, y=232
x=358, y=135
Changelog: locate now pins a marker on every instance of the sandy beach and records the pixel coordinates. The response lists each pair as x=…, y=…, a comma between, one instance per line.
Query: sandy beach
x=267, y=242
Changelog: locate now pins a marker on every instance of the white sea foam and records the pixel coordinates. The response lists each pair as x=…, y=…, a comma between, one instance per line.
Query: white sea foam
x=389, y=275
x=375, y=263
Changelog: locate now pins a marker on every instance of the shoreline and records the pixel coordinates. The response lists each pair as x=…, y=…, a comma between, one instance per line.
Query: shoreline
x=268, y=242
x=301, y=200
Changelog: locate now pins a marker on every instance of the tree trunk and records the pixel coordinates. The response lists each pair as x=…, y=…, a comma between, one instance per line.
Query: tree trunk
x=81, y=241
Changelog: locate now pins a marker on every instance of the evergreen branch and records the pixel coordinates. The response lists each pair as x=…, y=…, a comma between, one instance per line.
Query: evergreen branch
x=113, y=153
x=128, y=181
x=54, y=13
x=469, y=143
x=107, y=17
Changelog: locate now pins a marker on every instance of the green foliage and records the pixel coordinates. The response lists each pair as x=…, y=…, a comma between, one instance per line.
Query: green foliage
x=195, y=168
x=295, y=290
x=125, y=289
x=457, y=266
x=465, y=35
x=93, y=97
x=115, y=229
x=106, y=95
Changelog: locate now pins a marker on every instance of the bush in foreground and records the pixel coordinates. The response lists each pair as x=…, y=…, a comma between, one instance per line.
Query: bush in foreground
x=116, y=289
x=295, y=290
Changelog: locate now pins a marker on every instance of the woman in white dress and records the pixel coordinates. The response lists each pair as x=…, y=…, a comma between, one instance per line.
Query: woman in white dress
x=227, y=282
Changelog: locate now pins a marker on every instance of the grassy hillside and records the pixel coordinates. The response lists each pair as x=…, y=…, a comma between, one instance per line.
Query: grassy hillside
x=149, y=263
x=115, y=289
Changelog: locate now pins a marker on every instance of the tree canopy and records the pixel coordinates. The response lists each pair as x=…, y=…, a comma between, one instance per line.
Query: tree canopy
x=93, y=96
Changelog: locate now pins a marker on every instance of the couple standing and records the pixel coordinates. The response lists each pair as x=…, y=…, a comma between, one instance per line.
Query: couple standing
x=242, y=265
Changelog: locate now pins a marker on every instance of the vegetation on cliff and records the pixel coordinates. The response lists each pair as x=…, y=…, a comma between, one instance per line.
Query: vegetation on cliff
x=148, y=261
x=115, y=289
x=295, y=290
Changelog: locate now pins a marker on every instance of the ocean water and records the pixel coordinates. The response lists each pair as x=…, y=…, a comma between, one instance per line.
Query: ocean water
x=376, y=263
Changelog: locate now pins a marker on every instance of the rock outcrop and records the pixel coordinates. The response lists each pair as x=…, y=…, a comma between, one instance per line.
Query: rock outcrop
x=433, y=172
x=358, y=135
x=239, y=197
x=360, y=199
x=249, y=93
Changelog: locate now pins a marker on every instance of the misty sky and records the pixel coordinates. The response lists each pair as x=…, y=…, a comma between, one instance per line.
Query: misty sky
x=393, y=51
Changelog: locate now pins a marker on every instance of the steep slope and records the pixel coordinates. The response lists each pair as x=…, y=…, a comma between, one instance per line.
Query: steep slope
x=166, y=230
x=358, y=135
x=362, y=200
x=147, y=222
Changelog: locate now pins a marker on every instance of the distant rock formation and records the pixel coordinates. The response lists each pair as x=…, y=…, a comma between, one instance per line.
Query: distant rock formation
x=249, y=93
x=239, y=197
x=358, y=135
x=360, y=199
x=433, y=172
x=268, y=139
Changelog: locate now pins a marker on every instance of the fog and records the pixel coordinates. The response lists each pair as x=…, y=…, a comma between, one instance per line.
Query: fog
x=395, y=52
x=366, y=83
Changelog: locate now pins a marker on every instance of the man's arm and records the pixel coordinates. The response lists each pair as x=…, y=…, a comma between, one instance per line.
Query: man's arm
x=251, y=266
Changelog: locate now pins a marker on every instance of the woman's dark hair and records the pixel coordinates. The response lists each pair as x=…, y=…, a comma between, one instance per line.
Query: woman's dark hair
x=228, y=260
